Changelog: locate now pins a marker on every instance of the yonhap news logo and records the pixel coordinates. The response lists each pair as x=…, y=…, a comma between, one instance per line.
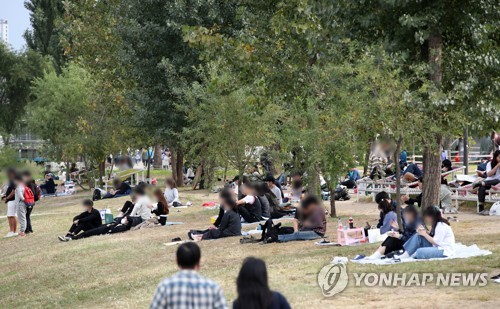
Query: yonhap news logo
x=333, y=279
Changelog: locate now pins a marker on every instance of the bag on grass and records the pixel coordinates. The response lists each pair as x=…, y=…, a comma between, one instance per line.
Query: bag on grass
x=97, y=195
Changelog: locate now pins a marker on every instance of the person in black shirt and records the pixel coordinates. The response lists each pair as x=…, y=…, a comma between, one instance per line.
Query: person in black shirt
x=49, y=187
x=121, y=189
x=30, y=183
x=87, y=220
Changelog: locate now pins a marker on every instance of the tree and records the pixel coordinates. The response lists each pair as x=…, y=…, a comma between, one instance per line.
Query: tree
x=17, y=71
x=45, y=35
x=59, y=111
x=228, y=123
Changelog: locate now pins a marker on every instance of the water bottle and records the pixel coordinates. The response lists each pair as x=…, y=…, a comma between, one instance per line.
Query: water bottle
x=340, y=226
x=351, y=223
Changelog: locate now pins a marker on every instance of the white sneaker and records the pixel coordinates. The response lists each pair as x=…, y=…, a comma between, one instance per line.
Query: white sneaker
x=10, y=234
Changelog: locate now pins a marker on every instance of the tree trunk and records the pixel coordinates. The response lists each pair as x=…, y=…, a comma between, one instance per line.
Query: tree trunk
x=179, y=165
x=432, y=151
x=173, y=163
x=398, y=181
x=333, y=209
x=225, y=172
x=102, y=171
x=157, y=157
x=198, y=173
x=367, y=157
x=432, y=174
x=313, y=185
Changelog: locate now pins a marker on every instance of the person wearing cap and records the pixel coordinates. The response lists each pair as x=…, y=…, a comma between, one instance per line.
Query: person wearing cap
x=271, y=183
x=89, y=219
x=49, y=187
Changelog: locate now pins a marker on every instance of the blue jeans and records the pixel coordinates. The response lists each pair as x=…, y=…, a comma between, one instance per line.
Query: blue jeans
x=420, y=248
x=300, y=235
x=413, y=168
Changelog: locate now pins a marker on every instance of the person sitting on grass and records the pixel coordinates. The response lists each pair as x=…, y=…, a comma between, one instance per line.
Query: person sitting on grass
x=249, y=207
x=310, y=221
x=121, y=189
x=187, y=288
x=49, y=187
x=89, y=219
x=446, y=166
x=172, y=194
x=439, y=242
x=271, y=184
x=493, y=178
x=162, y=205
x=388, y=215
x=253, y=288
x=396, y=239
x=229, y=225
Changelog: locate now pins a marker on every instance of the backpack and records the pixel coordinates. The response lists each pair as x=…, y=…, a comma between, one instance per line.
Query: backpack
x=97, y=195
x=341, y=193
x=29, y=197
x=270, y=231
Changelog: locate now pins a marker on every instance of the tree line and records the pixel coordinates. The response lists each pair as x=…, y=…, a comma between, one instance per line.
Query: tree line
x=216, y=80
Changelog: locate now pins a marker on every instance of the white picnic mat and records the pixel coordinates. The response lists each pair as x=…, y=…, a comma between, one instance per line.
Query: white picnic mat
x=461, y=252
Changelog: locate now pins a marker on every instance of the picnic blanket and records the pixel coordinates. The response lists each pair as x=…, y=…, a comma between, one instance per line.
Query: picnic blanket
x=461, y=252
x=285, y=218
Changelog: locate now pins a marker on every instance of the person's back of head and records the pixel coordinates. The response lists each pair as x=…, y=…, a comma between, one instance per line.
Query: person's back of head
x=252, y=285
x=309, y=202
x=188, y=256
x=381, y=196
x=87, y=203
x=139, y=191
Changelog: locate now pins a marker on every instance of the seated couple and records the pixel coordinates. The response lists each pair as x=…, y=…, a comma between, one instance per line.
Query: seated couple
x=228, y=222
x=416, y=241
x=49, y=187
x=121, y=188
x=133, y=213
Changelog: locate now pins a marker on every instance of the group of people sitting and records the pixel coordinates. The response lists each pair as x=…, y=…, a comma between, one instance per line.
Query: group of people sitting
x=260, y=201
x=140, y=210
x=188, y=289
x=421, y=237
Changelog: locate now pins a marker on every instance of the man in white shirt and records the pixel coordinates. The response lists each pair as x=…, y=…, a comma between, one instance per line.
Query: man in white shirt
x=271, y=183
x=143, y=206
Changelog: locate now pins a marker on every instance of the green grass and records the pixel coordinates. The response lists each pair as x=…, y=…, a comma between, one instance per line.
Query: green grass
x=122, y=271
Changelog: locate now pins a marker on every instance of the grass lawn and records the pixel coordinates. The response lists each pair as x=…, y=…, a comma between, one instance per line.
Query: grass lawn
x=122, y=270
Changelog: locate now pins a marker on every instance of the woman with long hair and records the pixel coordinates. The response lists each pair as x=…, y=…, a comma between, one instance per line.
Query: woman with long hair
x=253, y=288
x=172, y=194
x=438, y=242
x=162, y=206
x=492, y=179
x=230, y=223
x=387, y=215
x=396, y=239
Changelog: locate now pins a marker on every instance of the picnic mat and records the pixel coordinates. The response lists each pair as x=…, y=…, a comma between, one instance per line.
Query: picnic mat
x=461, y=252
x=285, y=218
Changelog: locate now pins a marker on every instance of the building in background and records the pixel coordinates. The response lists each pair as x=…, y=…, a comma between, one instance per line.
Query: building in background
x=4, y=31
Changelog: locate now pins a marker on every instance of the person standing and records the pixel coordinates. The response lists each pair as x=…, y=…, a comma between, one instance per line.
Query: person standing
x=20, y=204
x=29, y=182
x=187, y=288
x=9, y=199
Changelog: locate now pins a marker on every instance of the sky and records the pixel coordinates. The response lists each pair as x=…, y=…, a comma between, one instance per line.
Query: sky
x=18, y=17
